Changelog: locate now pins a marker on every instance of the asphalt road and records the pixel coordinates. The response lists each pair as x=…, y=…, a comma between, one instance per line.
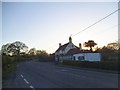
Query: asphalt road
x=34, y=74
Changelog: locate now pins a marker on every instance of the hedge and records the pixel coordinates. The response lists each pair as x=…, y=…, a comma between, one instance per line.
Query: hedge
x=9, y=63
x=98, y=65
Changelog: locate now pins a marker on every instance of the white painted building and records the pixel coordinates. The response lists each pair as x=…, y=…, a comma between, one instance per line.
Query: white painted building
x=69, y=51
x=63, y=49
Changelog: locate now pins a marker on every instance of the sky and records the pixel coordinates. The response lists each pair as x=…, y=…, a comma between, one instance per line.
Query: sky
x=43, y=25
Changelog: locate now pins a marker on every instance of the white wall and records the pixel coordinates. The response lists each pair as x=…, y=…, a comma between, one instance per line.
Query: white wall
x=93, y=56
x=77, y=55
x=70, y=46
x=88, y=56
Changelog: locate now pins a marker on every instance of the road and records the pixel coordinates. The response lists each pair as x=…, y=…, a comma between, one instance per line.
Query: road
x=35, y=74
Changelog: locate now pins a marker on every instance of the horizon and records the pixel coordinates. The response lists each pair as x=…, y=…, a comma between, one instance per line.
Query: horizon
x=83, y=48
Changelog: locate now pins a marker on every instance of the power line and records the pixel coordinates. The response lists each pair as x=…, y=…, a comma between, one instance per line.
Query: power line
x=93, y=24
x=97, y=22
x=98, y=34
x=110, y=28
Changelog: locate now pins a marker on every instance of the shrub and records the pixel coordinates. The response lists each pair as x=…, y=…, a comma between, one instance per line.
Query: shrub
x=99, y=65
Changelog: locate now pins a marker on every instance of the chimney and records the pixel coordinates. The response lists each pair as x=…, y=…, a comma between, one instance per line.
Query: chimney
x=70, y=40
x=80, y=46
x=59, y=44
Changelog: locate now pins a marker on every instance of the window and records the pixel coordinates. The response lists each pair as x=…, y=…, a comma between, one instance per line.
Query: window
x=74, y=58
x=81, y=58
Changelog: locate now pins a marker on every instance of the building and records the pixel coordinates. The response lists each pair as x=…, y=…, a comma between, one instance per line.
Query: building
x=69, y=51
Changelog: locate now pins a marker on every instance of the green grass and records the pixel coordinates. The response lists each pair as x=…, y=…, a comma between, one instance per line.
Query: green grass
x=9, y=64
x=7, y=70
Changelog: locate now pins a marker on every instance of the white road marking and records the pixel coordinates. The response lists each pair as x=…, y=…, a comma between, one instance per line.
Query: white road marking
x=26, y=81
x=21, y=75
x=31, y=86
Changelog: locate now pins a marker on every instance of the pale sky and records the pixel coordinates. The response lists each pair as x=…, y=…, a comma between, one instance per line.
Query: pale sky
x=43, y=25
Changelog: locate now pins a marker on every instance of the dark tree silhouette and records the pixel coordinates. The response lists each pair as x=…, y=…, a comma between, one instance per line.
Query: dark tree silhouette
x=113, y=46
x=32, y=51
x=38, y=52
x=90, y=44
x=43, y=55
x=14, y=48
x=4, y=49
x=18, y=47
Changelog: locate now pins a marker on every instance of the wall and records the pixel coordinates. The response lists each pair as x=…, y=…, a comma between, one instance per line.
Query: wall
x=93, y=56
x=68, y=57
x=70, y=46
x=88, y=56
x=76, y=56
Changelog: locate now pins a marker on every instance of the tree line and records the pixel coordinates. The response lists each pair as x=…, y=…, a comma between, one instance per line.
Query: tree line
x=110, y=52
x=15, y=52
x=21, y=49
x=18, y=48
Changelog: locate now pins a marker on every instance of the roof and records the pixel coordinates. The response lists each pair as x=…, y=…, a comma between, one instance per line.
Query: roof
x=73, y=51
x=62, y=47
x=76, y=51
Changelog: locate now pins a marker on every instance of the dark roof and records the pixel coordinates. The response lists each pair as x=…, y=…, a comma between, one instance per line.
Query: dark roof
x=73, y=51
x=76, y=51
x=62, y=47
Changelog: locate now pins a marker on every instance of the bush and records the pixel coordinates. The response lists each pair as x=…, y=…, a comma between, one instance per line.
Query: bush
x=99, y=65
x=9, y=63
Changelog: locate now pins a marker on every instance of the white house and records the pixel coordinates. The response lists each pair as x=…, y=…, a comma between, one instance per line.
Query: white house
x=69, y=51
x=63, y=49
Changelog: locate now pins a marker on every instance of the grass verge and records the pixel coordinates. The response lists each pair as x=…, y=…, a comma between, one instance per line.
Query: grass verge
x=8, y=69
